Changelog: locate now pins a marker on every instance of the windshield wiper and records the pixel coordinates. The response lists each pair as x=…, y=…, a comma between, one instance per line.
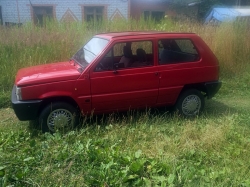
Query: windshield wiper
x=79, y=63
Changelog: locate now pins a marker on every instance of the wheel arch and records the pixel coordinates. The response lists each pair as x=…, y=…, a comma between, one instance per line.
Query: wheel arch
x=65, y=99
x=198, y=86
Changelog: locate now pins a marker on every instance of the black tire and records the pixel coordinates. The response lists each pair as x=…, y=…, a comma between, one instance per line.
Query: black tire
x=59, y=116
x=190, y=103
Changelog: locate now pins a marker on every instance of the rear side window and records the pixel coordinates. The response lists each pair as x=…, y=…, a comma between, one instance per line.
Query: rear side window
x=177, y=51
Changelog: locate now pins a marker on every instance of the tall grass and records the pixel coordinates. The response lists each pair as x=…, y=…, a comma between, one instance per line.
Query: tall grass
x=29, y=45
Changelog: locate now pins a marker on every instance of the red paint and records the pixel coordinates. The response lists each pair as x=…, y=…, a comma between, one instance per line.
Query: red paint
x=46, y=73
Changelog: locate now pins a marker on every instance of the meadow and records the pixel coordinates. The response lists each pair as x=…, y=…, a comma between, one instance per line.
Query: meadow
x=153, y=147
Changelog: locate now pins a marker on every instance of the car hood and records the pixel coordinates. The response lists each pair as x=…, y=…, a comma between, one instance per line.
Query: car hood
x=54, y=72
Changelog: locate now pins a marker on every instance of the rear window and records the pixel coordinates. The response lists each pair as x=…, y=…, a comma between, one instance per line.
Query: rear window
x=177, y=51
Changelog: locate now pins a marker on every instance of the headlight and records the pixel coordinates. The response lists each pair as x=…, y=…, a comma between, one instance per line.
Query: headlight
x=18, y=93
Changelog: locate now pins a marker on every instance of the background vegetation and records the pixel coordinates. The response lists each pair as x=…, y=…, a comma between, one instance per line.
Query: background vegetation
x=138, y=148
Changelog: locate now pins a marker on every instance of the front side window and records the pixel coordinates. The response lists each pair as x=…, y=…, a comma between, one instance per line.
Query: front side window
x=177, y=51
x=89, y=51
x=124, y=55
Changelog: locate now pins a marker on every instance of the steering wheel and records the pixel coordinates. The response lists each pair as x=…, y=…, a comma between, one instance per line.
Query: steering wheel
x=100, y=67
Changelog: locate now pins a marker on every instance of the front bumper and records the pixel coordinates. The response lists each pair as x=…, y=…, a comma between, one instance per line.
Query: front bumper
x=25, y=110
x=212, y=88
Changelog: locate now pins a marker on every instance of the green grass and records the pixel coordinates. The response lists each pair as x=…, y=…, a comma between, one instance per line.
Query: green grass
x=138, y=148
x=152, y=148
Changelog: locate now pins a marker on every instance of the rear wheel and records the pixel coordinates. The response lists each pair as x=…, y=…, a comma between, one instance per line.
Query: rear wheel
x=190, y=103
x=59, y=116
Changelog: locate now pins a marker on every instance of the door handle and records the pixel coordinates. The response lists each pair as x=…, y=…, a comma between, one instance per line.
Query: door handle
x=156, y=73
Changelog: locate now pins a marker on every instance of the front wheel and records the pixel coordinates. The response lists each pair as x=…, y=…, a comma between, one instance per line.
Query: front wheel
x=190, y=103
x=59, y=116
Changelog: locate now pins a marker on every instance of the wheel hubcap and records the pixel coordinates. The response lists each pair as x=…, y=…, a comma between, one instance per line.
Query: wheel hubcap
x=59, y=119
x=191, y=105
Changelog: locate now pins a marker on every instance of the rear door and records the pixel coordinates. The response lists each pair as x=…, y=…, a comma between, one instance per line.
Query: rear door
x=115, y=87
x=179, y=65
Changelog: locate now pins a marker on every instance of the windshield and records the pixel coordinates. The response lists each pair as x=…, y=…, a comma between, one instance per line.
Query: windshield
x=88, y=52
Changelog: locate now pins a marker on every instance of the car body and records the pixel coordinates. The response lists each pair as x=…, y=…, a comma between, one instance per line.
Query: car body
x=116, y=72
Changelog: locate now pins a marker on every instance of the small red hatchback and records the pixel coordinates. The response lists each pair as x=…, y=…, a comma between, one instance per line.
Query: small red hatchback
x=117, y=72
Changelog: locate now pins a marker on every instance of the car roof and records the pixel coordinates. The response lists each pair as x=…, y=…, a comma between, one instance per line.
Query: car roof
x=132, y=34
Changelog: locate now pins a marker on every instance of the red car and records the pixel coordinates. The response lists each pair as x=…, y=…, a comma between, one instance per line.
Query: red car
x=116, y=72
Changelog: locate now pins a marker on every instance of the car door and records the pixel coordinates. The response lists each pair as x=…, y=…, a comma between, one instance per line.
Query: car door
x=178, y=68
x=114, y=88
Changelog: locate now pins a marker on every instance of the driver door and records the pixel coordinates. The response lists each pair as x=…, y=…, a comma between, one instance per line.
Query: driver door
x=124, y=88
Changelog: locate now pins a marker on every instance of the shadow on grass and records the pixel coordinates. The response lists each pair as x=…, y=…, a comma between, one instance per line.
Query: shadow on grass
x=213, y=108
x=217, y=108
